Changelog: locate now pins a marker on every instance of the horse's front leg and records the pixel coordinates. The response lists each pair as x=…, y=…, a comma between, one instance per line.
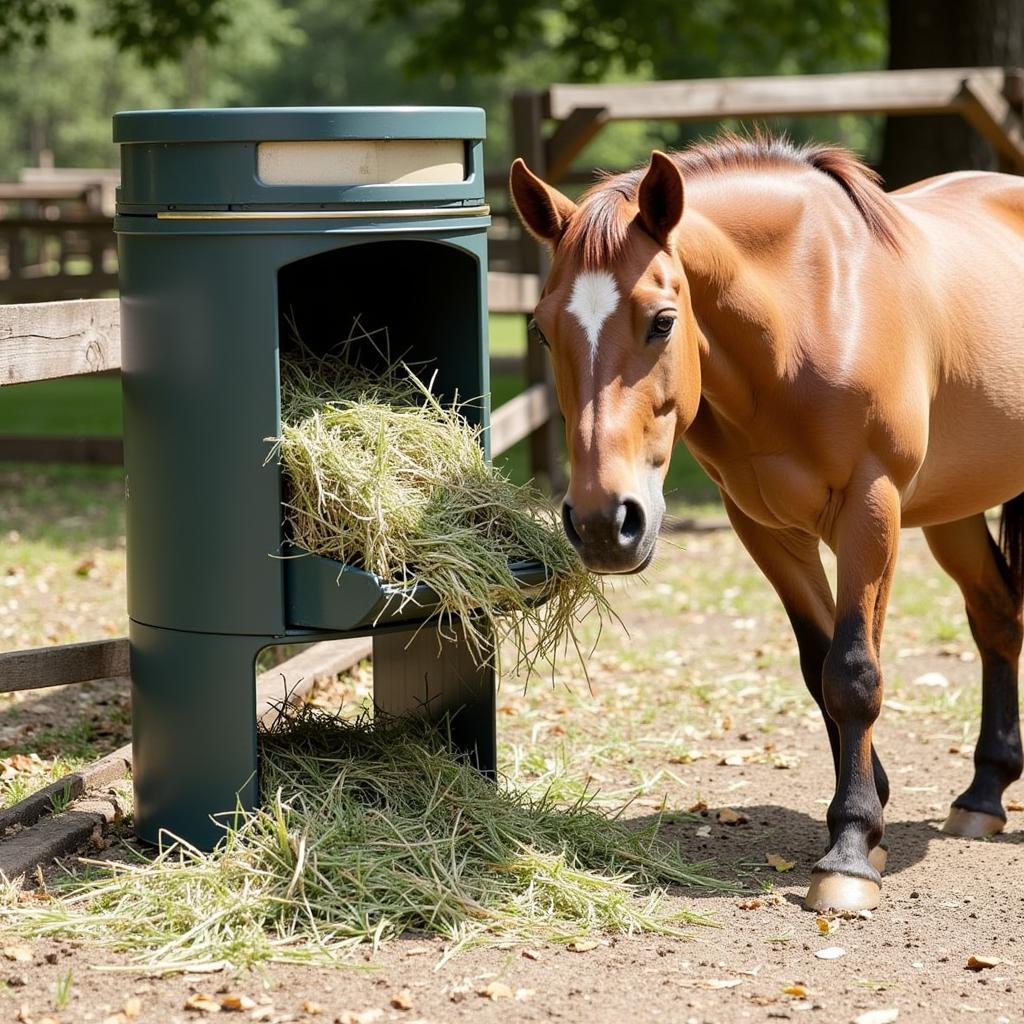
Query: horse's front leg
x=865, y=540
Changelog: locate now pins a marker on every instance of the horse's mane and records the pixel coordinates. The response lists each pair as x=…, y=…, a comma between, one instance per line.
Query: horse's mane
x=597, y=231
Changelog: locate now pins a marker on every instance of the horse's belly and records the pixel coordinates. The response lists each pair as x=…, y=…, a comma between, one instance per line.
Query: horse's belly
x=974, y=461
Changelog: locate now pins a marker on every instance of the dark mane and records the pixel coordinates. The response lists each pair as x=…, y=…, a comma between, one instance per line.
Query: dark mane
x=597, y=231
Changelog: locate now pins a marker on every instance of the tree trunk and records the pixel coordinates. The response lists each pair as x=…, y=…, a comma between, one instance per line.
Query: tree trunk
x=946, y=34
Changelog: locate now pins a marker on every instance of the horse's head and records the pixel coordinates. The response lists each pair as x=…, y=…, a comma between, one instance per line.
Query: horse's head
x=615, y=314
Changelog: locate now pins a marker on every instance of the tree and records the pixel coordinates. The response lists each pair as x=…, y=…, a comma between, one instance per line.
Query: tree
x=659, y=38
x=155, y=30
x=946, y=33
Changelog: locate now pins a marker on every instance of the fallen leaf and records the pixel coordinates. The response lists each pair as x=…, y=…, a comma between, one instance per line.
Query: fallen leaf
x=1014, y=805
x=22, y=954
x=936, y=679
x=779, y=863
x=981, y=962
x=583, y=945
x=734, y=758
x=533, y=954
x=753, y=904
x=886, y=1016
x=401, y=1000
x=830, y=953
x=825, y=926
x=698, y=808
x=713, y=983
x=236, y=1004
x=132, y=1006
x=495, y=990
x=799, y=991
x=727, y=816
x=202, y=1003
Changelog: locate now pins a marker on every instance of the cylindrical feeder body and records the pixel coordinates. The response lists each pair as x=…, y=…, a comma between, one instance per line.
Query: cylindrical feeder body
x=237, y=230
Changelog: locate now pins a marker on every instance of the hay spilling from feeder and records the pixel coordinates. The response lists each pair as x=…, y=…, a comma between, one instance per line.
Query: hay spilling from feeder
x=381, y=475
x=368, y=830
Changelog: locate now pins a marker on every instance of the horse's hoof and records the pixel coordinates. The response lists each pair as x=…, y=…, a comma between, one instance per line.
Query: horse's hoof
x=878, y=857
x=972, y=824
x=832, y=891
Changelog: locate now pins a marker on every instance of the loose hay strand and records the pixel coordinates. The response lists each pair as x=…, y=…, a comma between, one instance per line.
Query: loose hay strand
x=368, y=830
x=379, y=474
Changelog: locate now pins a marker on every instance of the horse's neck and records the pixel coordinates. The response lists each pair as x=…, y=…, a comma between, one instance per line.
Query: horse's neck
x=745, y=343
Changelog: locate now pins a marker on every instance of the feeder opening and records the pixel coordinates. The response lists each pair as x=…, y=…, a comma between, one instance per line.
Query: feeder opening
x=424, y=294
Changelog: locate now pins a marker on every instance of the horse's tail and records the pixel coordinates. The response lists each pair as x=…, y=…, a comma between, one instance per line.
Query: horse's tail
x=1011, y=542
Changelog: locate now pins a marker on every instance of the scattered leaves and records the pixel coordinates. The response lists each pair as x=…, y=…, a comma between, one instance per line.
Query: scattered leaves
x=982, y=962
x=713, y=983
x=495, y=990
x=797, y=991
x=400, y=1000
x=202, y=1003
x=362, y=1017
x=533, y=954
x=237, y=1004
x=20, y=953
x=779, y=863
x=830, y=953
x=1014, y=805
x=583, y=945
x=727, y=816
x=886, y=1016
x=825, y=925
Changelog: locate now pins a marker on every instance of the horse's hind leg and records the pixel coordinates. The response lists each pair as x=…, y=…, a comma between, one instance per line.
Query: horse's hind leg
x=966, y=550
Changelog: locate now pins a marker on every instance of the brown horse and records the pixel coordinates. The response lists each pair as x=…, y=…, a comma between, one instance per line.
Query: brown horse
x=842, y=363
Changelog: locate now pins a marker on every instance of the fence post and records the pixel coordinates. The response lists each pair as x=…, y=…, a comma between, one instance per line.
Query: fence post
x=528, y=142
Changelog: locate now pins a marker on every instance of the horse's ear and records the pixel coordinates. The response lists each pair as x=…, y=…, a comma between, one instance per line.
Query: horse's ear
x=543, y=209
x=661, y=199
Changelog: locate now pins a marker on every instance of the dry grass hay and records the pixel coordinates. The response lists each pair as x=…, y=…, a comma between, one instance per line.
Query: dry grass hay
x=380, y=475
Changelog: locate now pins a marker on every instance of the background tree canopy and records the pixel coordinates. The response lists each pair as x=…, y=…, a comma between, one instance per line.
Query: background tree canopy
x=69, y=64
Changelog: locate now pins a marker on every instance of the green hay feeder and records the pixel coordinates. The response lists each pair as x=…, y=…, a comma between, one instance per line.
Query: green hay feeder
x=234, y=225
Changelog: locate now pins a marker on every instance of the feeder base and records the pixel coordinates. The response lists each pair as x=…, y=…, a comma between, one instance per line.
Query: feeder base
x=194, y=716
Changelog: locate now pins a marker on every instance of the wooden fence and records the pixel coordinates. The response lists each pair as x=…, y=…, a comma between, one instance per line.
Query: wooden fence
x=64, y=339
x=73, y=256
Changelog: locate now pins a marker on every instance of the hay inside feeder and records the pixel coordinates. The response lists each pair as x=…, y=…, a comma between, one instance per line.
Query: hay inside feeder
x=381, y=475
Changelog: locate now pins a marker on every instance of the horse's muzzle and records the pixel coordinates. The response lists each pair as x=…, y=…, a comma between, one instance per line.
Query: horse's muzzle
x=613, y=539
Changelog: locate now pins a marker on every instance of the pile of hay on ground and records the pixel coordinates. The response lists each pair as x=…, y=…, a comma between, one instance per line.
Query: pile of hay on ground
x=380, y=475
x=368, y=830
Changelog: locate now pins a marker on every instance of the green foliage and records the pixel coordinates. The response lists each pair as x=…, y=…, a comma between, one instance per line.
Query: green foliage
x=28, y=21
x=60, y=98
x=655, y=38
x=155, y=30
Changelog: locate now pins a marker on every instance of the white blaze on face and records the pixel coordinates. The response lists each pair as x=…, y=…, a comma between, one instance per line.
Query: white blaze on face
x=594, y=298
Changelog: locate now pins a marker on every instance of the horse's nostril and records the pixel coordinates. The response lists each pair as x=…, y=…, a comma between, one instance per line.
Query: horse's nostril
x=632, y=528
x=569, y=526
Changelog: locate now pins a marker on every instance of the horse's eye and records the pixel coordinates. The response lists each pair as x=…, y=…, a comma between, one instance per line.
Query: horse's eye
x=661, y=326
x=536, y=334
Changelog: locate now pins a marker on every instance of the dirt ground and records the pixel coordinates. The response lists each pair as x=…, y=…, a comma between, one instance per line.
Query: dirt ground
x=701, y=703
